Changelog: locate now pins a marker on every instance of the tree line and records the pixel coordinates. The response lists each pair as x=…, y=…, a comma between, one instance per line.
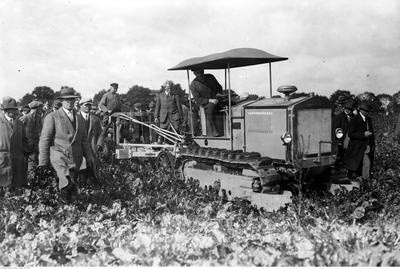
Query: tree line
x=144, y=95
x=135, y=94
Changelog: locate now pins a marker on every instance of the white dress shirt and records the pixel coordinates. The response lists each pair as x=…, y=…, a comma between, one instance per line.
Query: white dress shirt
x=85, y=115
x=9, y=118
x=69, y=114
x=362, y=116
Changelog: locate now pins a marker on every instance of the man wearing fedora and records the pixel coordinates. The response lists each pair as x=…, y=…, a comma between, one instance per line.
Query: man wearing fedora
x=359, y=155
x=13, y=146
x=342, y=122
x=63, y=144
x=33, y=126
x=168, y=108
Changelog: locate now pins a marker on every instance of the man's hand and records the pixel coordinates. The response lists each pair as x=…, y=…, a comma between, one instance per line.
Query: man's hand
x=42, y=169
x=156, y=120
x=367, y=133
x=99, y=148
x=214, y=101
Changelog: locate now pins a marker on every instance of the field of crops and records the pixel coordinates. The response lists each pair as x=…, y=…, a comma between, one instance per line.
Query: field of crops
x=145, y=217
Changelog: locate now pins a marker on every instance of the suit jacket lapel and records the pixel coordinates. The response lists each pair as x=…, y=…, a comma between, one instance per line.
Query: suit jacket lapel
x=8, y=124
x=66, y=120
x=90, y=124
x=78, y=118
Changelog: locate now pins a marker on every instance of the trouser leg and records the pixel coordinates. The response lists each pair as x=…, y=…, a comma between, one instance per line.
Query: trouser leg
x=366, y=166
x=210, y=121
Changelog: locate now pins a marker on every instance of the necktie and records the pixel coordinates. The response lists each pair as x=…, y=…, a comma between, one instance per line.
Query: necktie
x=71, y=116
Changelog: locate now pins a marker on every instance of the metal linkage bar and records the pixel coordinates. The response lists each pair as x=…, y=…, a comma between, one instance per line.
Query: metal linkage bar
x=173, y=137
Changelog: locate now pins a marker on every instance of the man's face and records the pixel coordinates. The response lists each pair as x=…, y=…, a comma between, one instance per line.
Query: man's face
x=167, y=88
x=113, y=89
x=198, y=73
x=86, y=107
x=364, y=112
x=68, y=104
x=12, y=113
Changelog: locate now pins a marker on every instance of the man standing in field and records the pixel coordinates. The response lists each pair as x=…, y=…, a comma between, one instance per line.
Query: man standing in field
x=168, y=109
x=13, y=146
x=93, y=132
x=342, y=122
x=359, y=155
x=33, y=126
x=110, y=102
x=64, y=143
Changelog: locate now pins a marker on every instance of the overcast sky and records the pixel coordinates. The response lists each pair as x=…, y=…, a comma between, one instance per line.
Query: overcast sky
x=345, y=44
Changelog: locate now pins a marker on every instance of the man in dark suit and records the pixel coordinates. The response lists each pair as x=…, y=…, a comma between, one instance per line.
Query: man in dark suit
x=204, y=89
x=359, y=155
x=92, y=124
x=64, y=143
x=93, y=132
x=168, y=109
x=342, y=121
x=33, y=126
x=14, y=145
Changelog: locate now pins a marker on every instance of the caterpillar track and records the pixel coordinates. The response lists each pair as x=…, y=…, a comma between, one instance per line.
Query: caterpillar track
x=261, y=180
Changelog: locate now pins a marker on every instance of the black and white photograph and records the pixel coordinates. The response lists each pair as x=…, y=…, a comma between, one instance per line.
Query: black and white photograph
x=199, y=133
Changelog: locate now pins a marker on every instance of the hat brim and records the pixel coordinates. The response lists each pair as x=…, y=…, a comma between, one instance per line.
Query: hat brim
x=91, y=103
x=68, y=97
x=5, y=108
x=35, y=107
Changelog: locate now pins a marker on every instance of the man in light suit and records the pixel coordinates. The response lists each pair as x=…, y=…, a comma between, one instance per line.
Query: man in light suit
x=168, y=109
x=64, y=143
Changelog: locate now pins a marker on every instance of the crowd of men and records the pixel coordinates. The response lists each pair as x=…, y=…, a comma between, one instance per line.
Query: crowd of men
x=69, y=136
x=356, y=142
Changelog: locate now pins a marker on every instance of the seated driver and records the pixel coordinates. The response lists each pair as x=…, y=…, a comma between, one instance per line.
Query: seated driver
x=205, y=88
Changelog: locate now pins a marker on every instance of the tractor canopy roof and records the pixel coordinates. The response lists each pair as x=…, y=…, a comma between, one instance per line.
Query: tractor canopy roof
x=232, y=58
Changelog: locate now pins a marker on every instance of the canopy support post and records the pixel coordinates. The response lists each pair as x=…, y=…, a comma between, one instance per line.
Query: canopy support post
x=230, y=107
x=190, y=104
x=225, y=80
x=270, y=80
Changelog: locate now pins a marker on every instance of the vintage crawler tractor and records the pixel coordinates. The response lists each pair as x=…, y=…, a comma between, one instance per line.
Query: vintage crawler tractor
x=266, y=143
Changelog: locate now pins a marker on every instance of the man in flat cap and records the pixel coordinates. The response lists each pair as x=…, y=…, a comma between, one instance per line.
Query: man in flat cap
x=93, y=132
x=359, y=156
x=63, y=144
x=204, y=89
x=110, y=101
x=33, y=127
x=92, y=124
x=25, y=110
x=13, y=146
